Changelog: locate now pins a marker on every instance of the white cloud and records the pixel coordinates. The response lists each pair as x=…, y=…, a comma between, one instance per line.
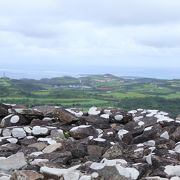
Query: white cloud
x=116, y=32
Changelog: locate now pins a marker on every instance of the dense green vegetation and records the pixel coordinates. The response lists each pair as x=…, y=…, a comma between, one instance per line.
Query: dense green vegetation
x=99, y=90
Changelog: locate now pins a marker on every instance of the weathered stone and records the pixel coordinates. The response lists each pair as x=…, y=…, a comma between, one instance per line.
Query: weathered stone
x=18, y=133
x=77, y=148
x=136, y=128
x=39, y=145
x=3, y=111
x=28, y=150
x=4, y=176
x=27, y=141
x=94, y=111
x=57, y=134
x=162, y=143
x=71, y=176
x=176, y=135
x=114, y=169
x=53, y=147
x=56, y=172
x=38, y=122
x=83, y=131
x=125, y=136
x=37, y=130
x=13, y=162
x=96, y=121
x=56, y=157
x=30, y=113
x=12, y=140
x=14, y=120
x=26, y=175
x=6, y=132
x=172, y=170
x=77, y=112
x=95, y=151
x=110, y=173
x=150, y=133
x=61, y=115
x=121, y=116
x=9, y=149
x=85, y=177
x=113, y=152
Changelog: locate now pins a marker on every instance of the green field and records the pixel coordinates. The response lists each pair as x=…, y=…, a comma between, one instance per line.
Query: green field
x=94, y=90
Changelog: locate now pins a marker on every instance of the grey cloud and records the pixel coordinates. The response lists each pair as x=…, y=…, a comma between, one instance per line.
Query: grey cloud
x=27, y=17
x=163, y=43
x=97, y=31
x=118, y=12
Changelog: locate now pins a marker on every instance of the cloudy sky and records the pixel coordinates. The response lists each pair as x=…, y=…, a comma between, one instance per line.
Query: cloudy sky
x=63, y=35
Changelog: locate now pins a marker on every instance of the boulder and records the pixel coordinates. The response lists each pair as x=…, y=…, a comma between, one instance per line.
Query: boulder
x=61, y=114
x=39, y=145
x=95, y=151
x=26, y=175
x=94, y=111
x=56, y=157
x=78, y=148
x=13, y=162
x=176, y=134
x=96, y=121
x=149, y=133
x=3, y=111
x=83, y=131
x=53, y=147
x=14, y=120
x=9, y=149
x=38, y=122
x=114, y=152
x=30, y=113
x=37, y=131
x=18, y=133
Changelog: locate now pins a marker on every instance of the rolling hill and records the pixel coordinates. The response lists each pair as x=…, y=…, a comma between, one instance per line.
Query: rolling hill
x=94, y=90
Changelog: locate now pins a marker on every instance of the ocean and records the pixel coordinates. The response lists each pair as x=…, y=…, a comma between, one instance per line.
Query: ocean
x=38, y=72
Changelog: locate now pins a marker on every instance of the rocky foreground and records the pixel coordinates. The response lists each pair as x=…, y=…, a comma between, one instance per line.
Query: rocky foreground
x=48, y=142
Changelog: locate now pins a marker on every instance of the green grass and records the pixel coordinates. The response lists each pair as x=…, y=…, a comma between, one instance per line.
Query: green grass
x=172, y=96
x=122, y=95
x=48, y=101
x=41, y=92
x=128, y=94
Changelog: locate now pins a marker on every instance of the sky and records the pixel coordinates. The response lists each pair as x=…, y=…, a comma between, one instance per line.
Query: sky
x=54, y=37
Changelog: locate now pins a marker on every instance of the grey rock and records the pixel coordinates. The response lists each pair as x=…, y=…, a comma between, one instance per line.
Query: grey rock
x=83, y=131
x=56, y=157
x=38, y=122
x=14, y=120
x=3, y=111
x=30, y=114
x=57, y=134
x=26, y=175
x=95, y=151
x=13, y=162
x=53, y=147
x=37, y=130
x=176, y=135
x=6, y=132
x=18, y=133
x=114, y=152
x=61, y=115
x=39, y=145
x=95, y=121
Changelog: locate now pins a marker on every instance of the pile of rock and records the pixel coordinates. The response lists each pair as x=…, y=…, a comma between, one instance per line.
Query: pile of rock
x=48, y=142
